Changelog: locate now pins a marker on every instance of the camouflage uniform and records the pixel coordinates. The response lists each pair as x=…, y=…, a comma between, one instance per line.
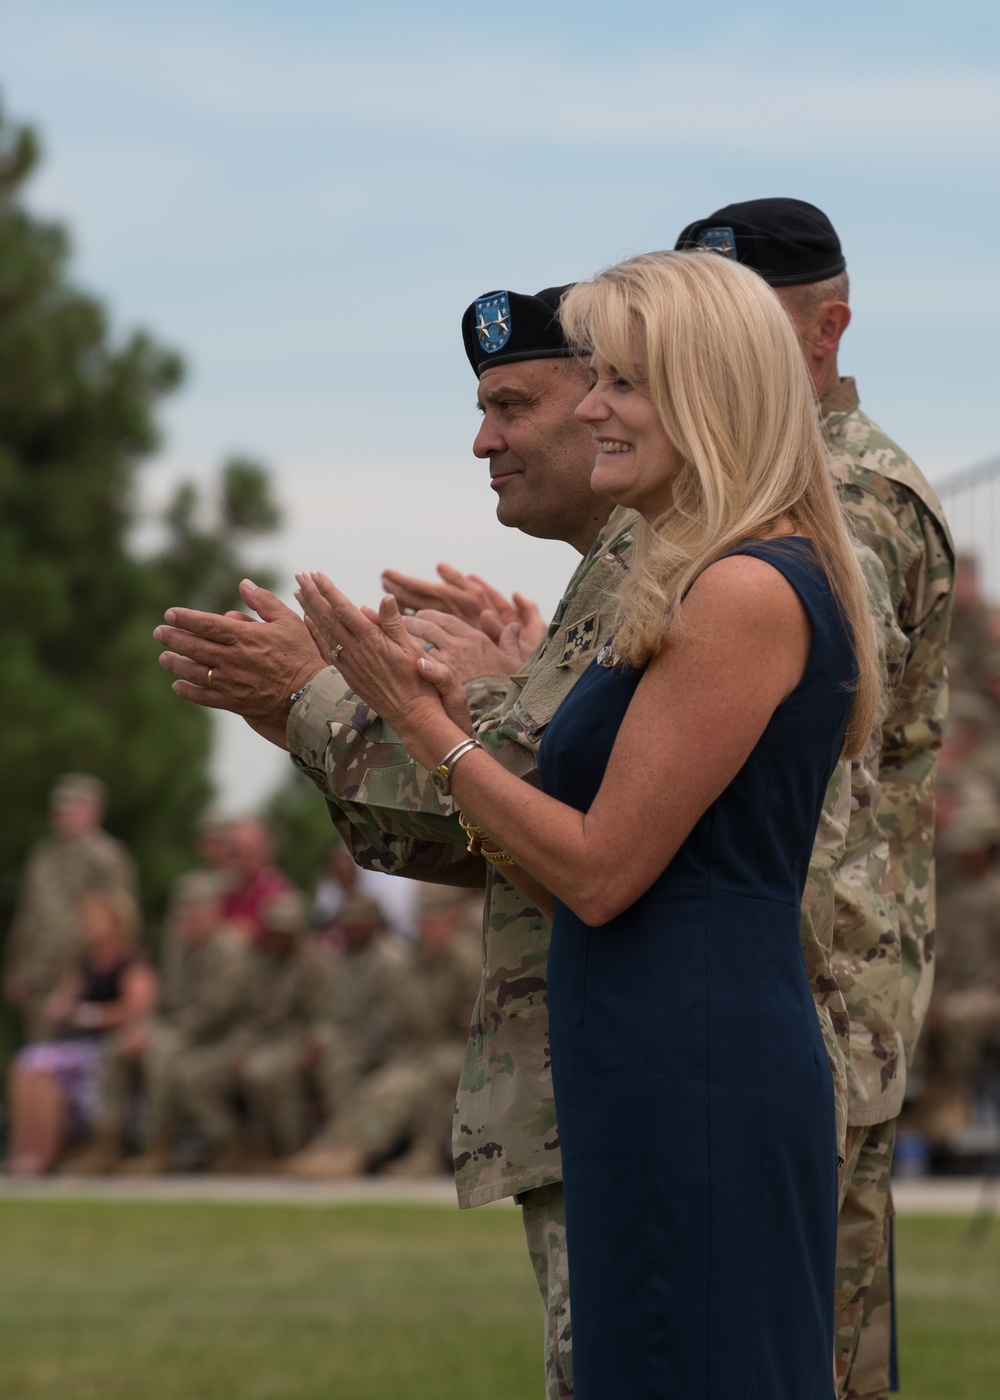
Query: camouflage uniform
x=896, y=513
x=360, y=1029
x=849, y=919
x=263, y=1054
x=411, y=1098
x=964, y=1018
x=506, y=1140
x=392, y=818
x=290, y=997
x=203, y=1005
x=43, y=942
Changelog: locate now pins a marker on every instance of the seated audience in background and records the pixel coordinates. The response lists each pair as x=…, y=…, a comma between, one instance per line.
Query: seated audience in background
x=44, y=941
x=254, y=878
x=362, y=1021
x=204, y=996
x=53, y=1086
x=341, y=878
x=961, y=1051
x=407, y=1102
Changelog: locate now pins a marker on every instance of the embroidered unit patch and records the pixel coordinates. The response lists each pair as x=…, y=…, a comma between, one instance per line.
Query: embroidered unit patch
x=718, y=240
x=493, y=322
x=580, y=638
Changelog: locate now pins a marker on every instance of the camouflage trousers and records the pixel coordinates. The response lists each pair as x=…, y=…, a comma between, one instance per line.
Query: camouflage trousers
x=273, y=1081
x=409, y=1100
x=863, y=1299
x=121, y=1075
x=544, y=1214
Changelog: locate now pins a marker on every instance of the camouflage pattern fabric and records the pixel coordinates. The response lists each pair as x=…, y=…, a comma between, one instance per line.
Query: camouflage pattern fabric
x=43, y=941
x=896, y=513
x=205, y=1001
x=264, y=1055
x=544, y=1215
x=506, y=1139
x=361, y=1030
x=412, y=1096
x=394, y=819
x=844, y=916
x=963, y=1025
x=863, y=1307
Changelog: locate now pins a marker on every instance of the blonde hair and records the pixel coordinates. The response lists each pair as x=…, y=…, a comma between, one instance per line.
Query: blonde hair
x=122, y=908
x=711, y=345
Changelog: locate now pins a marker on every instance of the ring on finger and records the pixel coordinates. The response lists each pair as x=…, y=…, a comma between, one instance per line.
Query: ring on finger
x=208, y=678
x=334, y=652
x=429, y=646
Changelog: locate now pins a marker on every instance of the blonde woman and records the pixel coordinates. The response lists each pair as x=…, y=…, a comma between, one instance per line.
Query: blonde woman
x=53, y=1090
x=682, y=782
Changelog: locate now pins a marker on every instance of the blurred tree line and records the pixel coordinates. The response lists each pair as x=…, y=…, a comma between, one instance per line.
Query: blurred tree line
x=81, y=688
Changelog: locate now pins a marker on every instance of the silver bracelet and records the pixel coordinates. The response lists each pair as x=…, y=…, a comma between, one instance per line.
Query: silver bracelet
x=441, y=773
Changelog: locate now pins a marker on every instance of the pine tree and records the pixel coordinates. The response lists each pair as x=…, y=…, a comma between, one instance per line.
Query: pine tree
x=79, y=685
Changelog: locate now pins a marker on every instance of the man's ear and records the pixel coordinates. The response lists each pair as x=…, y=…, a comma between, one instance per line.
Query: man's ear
x=831, y=321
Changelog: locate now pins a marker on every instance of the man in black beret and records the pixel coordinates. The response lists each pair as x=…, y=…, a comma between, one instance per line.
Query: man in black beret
x=390, y=814
x=882, y=951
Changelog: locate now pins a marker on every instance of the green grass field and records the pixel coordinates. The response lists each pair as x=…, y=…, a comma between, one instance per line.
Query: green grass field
x=232, y=1302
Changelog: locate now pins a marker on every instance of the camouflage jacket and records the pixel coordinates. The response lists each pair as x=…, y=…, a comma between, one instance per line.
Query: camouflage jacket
x=850, y=859
x=969, y=924
x=362, y=1008
x=435, y=998
x=289, y=996
x=206, y=994
x=394, y=819
x=506, y=1140
x=895, y=512
x=43, y=942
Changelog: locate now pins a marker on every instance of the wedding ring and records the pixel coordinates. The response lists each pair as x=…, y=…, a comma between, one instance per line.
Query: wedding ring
x=429, y=646
x=334, y=652
x=208, y=679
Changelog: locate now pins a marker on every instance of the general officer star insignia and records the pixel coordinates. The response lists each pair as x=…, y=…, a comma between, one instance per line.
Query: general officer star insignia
x=493, y=330
x=580, y=638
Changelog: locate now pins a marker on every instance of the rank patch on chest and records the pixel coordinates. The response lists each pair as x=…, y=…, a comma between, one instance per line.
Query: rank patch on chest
x=580, y=638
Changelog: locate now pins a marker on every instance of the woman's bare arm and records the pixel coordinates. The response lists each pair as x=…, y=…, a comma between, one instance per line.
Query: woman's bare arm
x=697, y=713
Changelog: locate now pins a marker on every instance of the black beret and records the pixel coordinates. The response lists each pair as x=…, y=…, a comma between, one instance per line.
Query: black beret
x=787, y=241
x=501, y=327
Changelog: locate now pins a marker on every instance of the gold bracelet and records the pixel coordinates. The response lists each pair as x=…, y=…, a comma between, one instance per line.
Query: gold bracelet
x=499, y=859
x=475, y=834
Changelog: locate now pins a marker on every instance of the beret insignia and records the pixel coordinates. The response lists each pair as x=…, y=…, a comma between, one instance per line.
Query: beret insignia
x=492, y=322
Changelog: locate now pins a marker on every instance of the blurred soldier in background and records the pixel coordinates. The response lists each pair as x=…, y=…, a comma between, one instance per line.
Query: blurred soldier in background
x=289, y=998
x=964, y=1017
x=254, y=879
x=975, y=628
x=410, y=1100
x=341, y=878
x=213, y=833
x=969, y=768
x=361, y=1029
x=44, y=941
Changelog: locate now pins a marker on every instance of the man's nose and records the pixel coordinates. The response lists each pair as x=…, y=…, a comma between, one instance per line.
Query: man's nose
x=488, y=440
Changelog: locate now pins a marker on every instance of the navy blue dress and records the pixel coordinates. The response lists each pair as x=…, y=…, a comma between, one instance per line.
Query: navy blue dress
x=693, y=1091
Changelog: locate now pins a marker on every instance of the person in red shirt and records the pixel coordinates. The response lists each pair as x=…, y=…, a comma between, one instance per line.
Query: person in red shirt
x=256, y=880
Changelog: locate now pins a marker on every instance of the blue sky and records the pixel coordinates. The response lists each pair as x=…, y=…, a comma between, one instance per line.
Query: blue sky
x=303, y=198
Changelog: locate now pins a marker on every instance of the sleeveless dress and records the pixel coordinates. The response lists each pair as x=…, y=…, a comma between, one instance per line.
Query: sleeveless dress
x=693, y=1092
